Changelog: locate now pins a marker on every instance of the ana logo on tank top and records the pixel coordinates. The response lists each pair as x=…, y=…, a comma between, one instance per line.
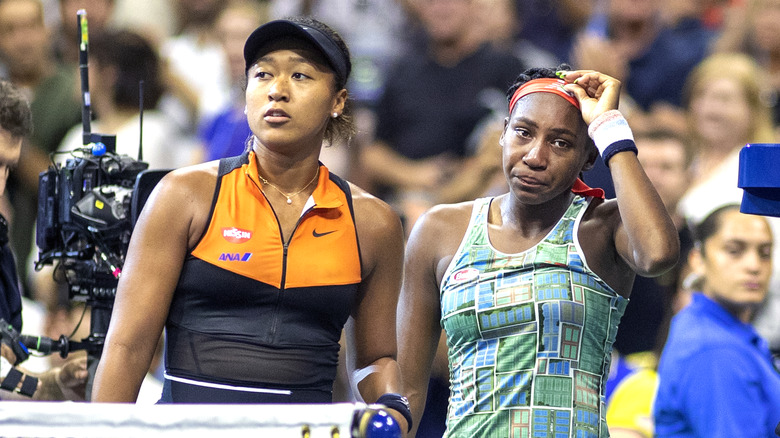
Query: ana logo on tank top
x=236, y=235
x=465, y=274
x=234, y=257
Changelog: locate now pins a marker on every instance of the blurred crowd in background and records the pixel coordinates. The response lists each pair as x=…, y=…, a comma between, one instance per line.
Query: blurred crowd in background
x=700, y=80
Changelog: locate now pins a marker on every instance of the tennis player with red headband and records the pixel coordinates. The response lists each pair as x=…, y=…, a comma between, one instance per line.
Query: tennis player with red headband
x=530, y=286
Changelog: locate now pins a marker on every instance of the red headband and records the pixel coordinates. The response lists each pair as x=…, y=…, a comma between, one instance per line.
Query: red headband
x=547, y=85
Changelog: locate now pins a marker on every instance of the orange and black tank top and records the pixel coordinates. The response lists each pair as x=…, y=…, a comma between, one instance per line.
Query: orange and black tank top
x=253, y=310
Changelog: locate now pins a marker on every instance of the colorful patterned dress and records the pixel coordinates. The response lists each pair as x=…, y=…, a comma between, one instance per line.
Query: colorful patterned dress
x=529, y=335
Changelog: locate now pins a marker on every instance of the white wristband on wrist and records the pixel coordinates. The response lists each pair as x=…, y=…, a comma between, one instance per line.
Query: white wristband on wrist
x=611, y=134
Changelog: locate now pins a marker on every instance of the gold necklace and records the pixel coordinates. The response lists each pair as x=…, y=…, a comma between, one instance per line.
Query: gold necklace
x=288, y=196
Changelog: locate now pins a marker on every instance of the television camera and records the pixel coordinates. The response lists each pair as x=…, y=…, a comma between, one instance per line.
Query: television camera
x=85, y=218
x=87, y=207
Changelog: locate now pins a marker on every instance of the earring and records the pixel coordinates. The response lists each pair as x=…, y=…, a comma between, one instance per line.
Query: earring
x=245, y=110
x=334, y=115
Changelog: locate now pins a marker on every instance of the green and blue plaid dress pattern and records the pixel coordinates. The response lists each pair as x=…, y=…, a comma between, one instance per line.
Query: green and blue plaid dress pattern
x=529, y=335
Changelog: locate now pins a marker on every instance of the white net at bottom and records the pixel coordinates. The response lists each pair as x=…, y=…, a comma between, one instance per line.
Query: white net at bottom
x=69, y=419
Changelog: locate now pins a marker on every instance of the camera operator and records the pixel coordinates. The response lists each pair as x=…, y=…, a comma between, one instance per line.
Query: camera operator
x=59, y=383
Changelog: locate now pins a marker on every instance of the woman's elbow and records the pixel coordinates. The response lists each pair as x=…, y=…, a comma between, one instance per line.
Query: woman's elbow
x=660, y=259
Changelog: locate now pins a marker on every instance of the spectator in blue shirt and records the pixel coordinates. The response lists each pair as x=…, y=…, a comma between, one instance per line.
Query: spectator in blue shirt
x=716, y=374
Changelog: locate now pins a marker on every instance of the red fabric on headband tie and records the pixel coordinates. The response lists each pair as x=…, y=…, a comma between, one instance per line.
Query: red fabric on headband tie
x=580, y=188
x=546, y=85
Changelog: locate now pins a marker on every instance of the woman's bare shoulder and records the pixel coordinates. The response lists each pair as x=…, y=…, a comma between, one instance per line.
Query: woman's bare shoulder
x=182, y=200
x=182, y=188
x=439, y=231
x=602, y=213
x=194, y=183
x=448, y=215
x=371, y=207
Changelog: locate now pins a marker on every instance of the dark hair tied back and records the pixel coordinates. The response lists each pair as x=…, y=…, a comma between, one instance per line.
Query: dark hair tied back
x=711, y=224
x=343, y=127
x=534, y=73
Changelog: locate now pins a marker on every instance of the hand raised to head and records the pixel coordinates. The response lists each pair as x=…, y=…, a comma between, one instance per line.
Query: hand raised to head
x=596, y=92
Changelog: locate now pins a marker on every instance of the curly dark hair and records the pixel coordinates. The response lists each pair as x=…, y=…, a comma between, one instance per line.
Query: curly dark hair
x=15, y=113
x=534, y=73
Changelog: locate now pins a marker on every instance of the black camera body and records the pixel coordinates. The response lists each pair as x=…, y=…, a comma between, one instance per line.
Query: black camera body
x=87, y=209
x=85, y=219
x=86, y=213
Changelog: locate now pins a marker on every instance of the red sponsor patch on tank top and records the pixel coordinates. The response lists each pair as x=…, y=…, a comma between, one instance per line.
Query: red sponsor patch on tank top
x=236, y=235
x=465, y=274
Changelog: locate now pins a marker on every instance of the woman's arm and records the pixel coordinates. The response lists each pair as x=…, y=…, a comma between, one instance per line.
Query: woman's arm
x=645, y=237
x=158, y=246
x=644, y=234
x=370, y=330
x=419, y=310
